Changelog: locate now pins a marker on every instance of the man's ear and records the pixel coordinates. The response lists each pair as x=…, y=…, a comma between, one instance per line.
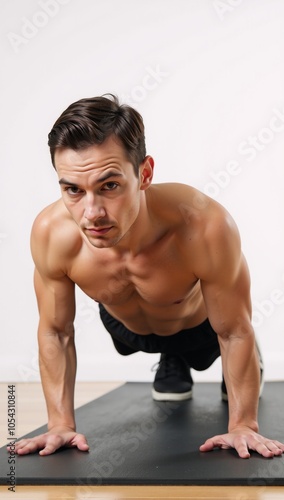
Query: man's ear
x=146, y=170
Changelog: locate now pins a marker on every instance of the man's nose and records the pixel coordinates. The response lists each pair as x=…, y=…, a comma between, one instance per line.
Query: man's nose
x=94, y=209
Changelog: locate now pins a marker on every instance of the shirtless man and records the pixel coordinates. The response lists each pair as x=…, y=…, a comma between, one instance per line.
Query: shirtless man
x=163, y=261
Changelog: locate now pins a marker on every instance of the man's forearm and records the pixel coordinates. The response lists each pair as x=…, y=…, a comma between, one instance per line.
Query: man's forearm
x=57, y=359
x=242, y=378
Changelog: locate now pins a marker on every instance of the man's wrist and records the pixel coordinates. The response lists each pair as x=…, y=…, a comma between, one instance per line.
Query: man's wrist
x=252, y=425
x=55, y=426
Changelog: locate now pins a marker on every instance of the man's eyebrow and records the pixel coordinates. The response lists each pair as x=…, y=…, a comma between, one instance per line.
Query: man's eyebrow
x=67, y=183
x=107, y=175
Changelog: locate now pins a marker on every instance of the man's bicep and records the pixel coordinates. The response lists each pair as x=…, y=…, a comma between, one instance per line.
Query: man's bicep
x=56, y=303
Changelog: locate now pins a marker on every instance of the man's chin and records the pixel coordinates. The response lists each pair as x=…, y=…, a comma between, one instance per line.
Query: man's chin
x=103, y=243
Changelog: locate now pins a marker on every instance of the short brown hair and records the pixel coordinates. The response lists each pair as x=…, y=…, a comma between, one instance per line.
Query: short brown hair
x=92, y=120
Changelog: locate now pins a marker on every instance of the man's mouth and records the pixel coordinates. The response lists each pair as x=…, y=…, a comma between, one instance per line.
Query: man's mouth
x=97, y=230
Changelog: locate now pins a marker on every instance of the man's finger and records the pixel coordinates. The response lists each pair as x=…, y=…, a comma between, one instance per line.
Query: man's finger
x=48, y=450
x=241, y=446
x=28, y=447
x=53, y=443
x=82, y=445
x=25, y=446
x=263, y=449
x=207, y=446
x=20, y=444
x=275, y=446
x=211, y=443
x=243, y=451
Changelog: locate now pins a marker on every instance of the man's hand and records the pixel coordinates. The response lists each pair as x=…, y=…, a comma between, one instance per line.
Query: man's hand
x=244, y=439
x=51, y=441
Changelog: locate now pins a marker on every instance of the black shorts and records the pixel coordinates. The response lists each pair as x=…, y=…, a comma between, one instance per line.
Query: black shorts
x=198, y=345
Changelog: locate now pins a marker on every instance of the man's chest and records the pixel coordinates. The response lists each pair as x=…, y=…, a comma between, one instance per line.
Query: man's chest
x=159, y=280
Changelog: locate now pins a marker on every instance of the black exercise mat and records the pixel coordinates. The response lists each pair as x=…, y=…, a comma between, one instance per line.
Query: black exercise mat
x=134, y=440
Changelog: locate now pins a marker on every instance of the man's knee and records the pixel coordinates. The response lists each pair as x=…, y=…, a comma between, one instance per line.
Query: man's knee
x=202, y=359
x=122, y=349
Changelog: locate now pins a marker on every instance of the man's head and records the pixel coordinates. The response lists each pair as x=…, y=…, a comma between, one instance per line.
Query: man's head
x=98, y=150
x=91, y=121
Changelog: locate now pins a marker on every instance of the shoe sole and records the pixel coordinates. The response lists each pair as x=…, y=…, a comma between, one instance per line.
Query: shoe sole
x=171, y=396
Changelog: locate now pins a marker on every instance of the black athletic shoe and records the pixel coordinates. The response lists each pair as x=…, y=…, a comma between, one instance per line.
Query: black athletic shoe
x=173, y=381
x=223, y=385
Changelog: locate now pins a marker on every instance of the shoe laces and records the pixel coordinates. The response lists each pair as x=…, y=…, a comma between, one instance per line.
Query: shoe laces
x=169, y=365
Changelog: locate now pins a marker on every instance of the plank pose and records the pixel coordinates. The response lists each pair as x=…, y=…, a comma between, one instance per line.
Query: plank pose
x=164, y=263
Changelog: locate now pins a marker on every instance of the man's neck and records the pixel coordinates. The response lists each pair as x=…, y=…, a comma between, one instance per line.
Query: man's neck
x=144, y=232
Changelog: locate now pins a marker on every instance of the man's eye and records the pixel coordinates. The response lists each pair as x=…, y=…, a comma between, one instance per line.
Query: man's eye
x=73, y=190
x=110, y=186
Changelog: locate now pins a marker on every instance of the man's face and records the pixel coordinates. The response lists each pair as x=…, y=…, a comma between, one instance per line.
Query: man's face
x=100, y=191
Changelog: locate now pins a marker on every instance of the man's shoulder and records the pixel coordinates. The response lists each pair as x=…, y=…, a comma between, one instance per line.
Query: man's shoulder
x=55, y=237
x=177, y=193
x=52, y=218
x=201, y=222
x=191, y=205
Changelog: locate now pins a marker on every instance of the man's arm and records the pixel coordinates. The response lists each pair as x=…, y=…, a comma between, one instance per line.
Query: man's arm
x=226, y=289
x=57, y=355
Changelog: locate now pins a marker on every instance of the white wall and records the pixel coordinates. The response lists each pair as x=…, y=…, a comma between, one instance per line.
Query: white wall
x=208, y=77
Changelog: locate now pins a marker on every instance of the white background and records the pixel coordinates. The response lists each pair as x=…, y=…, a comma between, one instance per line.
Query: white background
x=208, y=78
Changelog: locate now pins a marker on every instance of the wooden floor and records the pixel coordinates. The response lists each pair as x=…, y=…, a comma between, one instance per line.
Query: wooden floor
x=31, y=414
